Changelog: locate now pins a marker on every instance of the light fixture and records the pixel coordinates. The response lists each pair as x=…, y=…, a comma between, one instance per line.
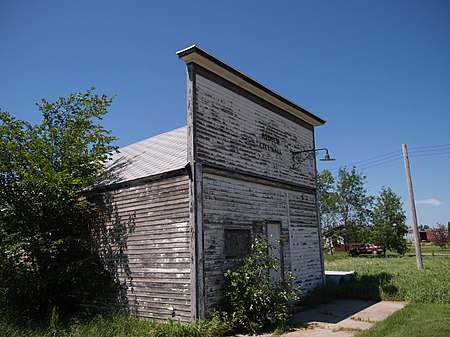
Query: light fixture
x=326, y=158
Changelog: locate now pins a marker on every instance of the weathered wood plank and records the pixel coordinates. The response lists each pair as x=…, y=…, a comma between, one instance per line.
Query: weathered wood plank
x=146, y=243
x=239, y=134
x=240, y=204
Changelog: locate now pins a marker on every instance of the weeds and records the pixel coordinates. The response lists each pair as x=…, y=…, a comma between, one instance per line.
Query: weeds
x=392, y=278
x=395, y=279
x=113, y=326
x=252, y=299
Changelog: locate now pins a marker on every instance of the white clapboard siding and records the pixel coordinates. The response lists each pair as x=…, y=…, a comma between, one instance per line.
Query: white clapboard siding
x=230, y=133
x=233, y=203
x=304, y=241
x=148, y=242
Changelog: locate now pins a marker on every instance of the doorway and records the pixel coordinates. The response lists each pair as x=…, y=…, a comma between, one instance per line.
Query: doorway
x=275, y=249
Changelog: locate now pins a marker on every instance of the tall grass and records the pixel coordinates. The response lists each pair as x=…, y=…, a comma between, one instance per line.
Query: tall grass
x=112, y=326
x=428, y=248
x=396, y=278
x=391, y=278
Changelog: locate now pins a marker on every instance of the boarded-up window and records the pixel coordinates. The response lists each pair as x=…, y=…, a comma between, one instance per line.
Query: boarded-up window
x=237, y=243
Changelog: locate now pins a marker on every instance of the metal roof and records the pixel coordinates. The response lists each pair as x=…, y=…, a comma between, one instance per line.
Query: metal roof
x=159, y=154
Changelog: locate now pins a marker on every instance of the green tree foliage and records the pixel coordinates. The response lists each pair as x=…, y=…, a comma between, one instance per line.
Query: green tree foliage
x=46, y=218
x=327, y=198
x=423, y=227
x=344, y=204
x=389, y=227
x=441, y=236
x=251, y=299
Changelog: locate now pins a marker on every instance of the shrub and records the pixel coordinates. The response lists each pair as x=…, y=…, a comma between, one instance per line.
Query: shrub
x=251, y=299
x=441, y=236
x=48, y=251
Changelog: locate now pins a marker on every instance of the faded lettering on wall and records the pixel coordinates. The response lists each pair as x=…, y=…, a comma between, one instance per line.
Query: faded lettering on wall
x=265, y=142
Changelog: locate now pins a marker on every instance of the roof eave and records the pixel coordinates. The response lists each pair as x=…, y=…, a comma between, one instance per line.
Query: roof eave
x=195, y=54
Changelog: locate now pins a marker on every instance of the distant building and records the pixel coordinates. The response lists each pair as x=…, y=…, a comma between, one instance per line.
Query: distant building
x=185, y=205
x=424, y=235
x=410, y=235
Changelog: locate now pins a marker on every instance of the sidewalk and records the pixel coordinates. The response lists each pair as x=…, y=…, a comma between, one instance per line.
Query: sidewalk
x=340, y=318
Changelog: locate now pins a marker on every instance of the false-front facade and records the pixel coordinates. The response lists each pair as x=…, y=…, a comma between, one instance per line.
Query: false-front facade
x=186, y=204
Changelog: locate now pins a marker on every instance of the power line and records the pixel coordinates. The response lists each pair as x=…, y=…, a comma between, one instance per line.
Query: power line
x=397, y=155
x=381, y=163
x=429, y=154
x=372, y=160
x=429, y=146
x=382, y=159
x=430, y=151
x=381, y=155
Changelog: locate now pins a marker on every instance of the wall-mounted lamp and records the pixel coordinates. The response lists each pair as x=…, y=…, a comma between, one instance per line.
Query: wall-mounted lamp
x=326, y=158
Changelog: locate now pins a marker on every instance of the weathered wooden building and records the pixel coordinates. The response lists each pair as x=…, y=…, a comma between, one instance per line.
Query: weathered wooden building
x=185, y=204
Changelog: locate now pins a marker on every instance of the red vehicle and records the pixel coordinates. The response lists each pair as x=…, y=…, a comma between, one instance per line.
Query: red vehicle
x=367, y=249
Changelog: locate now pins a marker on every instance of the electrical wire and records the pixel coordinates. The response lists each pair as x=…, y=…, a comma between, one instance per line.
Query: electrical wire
x=429, y=154
x=370, y=159
x=429, y=151
x=379, y=164
x=429, y=146
x=413, y=152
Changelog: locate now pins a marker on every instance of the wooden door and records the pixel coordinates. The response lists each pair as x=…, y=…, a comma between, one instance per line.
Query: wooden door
x=273, y=236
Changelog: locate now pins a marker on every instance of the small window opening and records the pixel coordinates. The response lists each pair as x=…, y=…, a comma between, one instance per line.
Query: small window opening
x=237, y=243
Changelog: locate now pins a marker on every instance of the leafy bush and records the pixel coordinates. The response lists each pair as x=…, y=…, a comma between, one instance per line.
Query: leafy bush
x=441, y=236
x=251, y=299
x=48, y=252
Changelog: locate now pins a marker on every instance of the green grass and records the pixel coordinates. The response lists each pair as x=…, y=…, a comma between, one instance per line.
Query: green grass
x=390, y=278
x=336, y=256
x=415, y=320
x=428, y=248
x=397, y=278
x=112, y=326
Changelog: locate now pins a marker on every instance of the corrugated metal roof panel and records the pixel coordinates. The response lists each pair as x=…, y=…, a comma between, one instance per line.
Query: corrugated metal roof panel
x=159, y=154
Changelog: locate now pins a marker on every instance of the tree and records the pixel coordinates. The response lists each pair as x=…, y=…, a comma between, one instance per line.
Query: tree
x=441, y=236
x=327, y=208
x=423, y=228
x=47, y=219
x=344, y=204
x=389, y=227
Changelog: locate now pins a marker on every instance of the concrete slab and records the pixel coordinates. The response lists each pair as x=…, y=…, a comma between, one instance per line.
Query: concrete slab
x=379, y=311
x=339, y=277
x=340, y=318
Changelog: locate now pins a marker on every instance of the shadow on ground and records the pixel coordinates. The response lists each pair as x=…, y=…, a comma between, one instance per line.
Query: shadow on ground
x=366, y=287
x=354, y=296
x=330, y=313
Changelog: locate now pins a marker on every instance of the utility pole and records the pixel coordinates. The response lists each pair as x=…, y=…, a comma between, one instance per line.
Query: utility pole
x=413, y=209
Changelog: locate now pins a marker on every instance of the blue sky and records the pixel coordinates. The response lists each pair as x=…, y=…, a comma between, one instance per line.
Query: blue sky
x=378, y=71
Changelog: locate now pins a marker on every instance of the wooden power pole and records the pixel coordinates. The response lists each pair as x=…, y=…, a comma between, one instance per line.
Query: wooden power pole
x=413, y=209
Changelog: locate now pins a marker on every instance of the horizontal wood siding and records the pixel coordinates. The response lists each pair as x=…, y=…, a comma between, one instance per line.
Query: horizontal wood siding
x=146, y=246
x=236, y=204
x=304, y=242
x=234, y=132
